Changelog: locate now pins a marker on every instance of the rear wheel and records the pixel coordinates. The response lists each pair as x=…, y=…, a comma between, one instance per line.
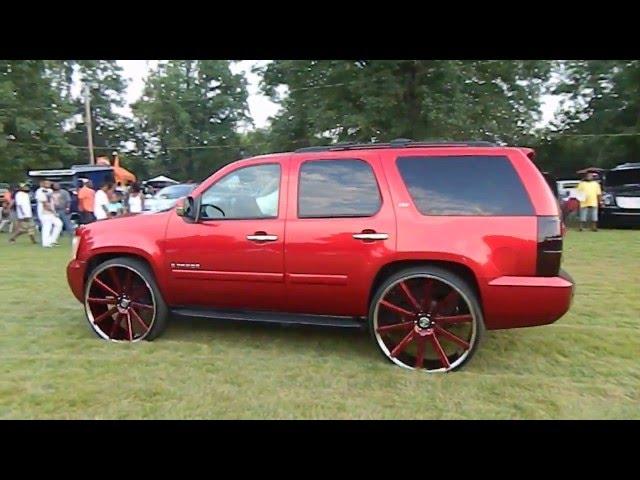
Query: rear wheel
x=426, y=319
x=123, y=302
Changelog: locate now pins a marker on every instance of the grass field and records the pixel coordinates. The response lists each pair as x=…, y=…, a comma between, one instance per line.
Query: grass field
x=587, y=365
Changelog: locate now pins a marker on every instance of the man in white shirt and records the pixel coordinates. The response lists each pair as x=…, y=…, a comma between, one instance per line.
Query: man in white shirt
x=101, y=201
x=24, y=214
x=49, y=222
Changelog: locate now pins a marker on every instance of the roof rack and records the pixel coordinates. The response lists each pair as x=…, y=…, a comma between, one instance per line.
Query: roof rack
x=397, y=143
x=628, y=165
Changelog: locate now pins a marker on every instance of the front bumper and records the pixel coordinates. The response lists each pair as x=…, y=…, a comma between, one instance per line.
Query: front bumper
x=620, y=216
x=75, y=276
x=513, y=302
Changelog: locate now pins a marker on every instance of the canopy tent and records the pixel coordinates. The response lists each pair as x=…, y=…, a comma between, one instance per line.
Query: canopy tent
x=161, y=179
x=121, y=175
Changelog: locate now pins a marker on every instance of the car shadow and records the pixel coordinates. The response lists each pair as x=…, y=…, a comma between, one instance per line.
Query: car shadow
x=208, y=331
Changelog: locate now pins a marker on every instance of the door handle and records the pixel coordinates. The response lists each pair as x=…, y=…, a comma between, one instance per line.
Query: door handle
x=262, y=237
x=370, y=236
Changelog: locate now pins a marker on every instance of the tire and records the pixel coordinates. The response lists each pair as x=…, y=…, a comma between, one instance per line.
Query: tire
x=417, y=304
x=139, y=303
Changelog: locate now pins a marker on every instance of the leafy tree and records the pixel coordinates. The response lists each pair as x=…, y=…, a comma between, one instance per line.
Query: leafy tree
x=341, y=100
x=191, y=110
x=111, y=129
x=33, y=109
x=598, y=122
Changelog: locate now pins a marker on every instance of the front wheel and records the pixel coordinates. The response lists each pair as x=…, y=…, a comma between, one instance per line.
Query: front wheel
x=123, y=302
x=426, y=319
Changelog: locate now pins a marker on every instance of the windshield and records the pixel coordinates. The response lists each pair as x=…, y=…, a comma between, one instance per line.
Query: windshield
x=175, y=191
x=616, y=178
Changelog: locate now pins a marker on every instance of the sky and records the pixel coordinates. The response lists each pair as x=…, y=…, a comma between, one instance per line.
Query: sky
x=260, y=106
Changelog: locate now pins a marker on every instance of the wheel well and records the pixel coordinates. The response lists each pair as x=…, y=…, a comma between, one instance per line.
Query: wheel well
x=103, y=257
x=462, y=270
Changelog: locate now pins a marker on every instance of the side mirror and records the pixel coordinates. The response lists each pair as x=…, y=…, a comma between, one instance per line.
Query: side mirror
x=188, y=207
x=181, y=207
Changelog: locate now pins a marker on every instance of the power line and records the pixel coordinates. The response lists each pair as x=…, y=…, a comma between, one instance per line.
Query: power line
x=629, y=134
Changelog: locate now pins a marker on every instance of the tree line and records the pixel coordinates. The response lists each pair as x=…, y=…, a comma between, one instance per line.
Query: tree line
x=187, y=122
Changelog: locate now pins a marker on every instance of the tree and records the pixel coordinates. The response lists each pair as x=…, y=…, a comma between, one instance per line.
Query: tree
x=341, y=100
x=111, y=129
x=191, y=109
x=33, y=109
x=599, y=119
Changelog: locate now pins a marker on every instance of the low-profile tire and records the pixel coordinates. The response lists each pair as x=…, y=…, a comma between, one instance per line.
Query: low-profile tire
x=426, y=318
x=123, y=303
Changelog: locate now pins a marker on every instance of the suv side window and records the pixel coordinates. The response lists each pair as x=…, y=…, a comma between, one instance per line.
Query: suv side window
x=337, y=188
x=465, y=185
x=246, y=193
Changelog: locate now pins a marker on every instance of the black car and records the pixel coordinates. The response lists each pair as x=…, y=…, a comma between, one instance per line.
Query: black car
x=621, y=196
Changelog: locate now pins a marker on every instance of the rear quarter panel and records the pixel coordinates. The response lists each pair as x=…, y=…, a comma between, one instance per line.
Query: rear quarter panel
x=490, y=246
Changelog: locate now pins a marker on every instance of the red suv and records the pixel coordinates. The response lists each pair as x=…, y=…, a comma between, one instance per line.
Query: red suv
x=427, y=244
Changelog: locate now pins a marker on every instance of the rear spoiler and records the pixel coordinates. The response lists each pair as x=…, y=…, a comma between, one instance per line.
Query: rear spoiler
x=529, y=152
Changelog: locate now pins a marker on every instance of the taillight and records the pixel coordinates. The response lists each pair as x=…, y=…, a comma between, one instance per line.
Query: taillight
x=549, y=246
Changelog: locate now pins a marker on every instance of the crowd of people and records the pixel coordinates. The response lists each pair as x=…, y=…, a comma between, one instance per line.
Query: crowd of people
x=108, y=201
x=53, y=208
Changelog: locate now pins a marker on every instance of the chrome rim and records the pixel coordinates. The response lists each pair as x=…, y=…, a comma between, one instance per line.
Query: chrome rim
x=120, y=304
x=423, y=322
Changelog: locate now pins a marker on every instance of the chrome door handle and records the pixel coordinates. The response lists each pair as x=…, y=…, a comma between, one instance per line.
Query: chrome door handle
x=262, y=238
x=370, y=236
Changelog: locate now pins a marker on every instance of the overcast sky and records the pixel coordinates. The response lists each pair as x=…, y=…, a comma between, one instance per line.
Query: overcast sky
x=260, y=106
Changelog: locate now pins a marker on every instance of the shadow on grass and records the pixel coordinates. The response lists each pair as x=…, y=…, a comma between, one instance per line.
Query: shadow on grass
x=499, y=346
x=202, y=330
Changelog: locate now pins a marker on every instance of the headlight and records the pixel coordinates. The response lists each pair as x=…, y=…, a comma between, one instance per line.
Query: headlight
x=608, y=199
x=75, y=243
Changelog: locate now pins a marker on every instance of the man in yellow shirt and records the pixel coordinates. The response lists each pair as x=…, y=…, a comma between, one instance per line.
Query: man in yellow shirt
x=590, y=196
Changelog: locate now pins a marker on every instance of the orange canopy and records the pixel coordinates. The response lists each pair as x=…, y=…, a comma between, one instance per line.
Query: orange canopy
x=121, y=175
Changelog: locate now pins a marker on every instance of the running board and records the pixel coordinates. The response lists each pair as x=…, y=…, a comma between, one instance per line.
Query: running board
x=270, y=317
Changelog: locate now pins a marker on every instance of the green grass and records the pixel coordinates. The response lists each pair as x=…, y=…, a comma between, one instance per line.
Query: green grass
x=52, y=366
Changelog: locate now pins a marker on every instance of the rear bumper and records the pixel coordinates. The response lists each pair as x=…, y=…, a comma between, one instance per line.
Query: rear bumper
x=75, y=277
x=513, y=302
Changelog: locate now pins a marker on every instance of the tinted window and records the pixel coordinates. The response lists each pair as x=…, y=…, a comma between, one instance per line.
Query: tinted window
x=337, y=188
x=248, y=192
x=471, y=185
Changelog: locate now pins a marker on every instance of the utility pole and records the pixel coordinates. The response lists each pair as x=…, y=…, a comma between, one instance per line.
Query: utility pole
x=87, y=112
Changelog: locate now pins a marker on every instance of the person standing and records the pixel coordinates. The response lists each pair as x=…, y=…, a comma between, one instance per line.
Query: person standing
x=24, y=215
x=590, y=198
x=51, y=225
x=86, y=198
x=5, y=211
x=62, y=204
x=135, y=202
x=102, y=201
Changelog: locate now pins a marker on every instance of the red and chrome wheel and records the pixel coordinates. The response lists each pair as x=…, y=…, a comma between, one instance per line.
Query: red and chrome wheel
x=122, y=302
x=426, y=319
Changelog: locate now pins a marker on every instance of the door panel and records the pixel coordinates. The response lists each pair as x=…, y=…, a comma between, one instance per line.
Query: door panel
x=328, y=271
x=214, y=263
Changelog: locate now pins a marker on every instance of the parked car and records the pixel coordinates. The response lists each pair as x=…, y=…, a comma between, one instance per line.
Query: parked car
x=168, y=196
x=567, y=188
x=621, y=196
x=425, y=244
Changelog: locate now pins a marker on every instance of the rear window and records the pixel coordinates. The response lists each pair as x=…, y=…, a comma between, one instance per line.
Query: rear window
x=465, y=185
x=337, y=188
